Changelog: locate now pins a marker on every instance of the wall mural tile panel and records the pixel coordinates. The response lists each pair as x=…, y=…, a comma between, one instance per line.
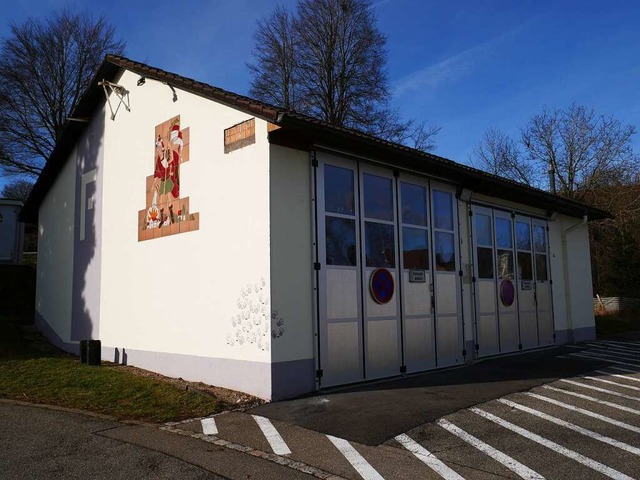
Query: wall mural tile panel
x=166, y=213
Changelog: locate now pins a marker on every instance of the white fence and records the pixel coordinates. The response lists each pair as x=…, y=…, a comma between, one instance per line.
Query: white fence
x=615, y=304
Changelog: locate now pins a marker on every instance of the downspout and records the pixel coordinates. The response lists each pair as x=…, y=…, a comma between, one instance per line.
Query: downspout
x=565, y=262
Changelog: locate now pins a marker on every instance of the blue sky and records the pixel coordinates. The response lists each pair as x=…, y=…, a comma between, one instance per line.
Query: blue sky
x=465, y=65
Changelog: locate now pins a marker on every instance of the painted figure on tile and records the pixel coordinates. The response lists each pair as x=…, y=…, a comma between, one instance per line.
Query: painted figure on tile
x=166, y=213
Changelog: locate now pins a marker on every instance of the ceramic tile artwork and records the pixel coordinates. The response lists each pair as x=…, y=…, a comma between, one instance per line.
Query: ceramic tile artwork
x=166, y=213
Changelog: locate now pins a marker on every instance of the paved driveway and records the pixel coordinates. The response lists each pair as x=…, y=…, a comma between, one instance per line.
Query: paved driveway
x=561, y=413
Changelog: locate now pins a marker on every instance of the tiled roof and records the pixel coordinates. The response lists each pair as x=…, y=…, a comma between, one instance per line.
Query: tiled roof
x=306, y=132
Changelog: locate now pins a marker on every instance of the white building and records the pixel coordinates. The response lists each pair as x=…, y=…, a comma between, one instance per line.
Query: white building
x=209, y=236
x=11, y=231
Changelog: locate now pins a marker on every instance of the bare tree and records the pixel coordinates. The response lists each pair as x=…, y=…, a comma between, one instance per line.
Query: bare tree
x=583, y=150
x=45, y=66
x=498, y=154
x=17, y=190
x=328, y=60
x=274, y=74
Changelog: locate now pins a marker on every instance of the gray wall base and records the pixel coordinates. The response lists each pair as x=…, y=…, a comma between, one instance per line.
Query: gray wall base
x=292, y=379
x=53, y=337
x=573, y=336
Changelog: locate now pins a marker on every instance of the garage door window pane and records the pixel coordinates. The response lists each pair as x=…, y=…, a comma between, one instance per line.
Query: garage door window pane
x=415, y=248
x=485, y=262
x=378, y=197
x=541, y=268
x=414, y=204
x=483, y=230
x=524, y=266
x=442, y=210
x=338, y=190
x=341, y=241
x=503, y=233
x=505, y=264
x=445, y=252
x=380, y=245
x=539, y=238
x=523, y=236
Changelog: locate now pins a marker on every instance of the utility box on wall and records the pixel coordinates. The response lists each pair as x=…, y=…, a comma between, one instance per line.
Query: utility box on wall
x=11, y=231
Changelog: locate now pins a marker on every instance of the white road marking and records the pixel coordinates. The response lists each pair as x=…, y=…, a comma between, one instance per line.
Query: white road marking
x=593, y=356
x=622, y=343
x=603, y=390
x=277, y=443
x=209, y=426
x=518, y=468
x=615, y=354
x=572, y=426
x=614, y=347
x=609, y=382
x=428, y=458
x=357, y=461
x=587, y=462
x=628, y=370
x=593, y=399
x=589, y=413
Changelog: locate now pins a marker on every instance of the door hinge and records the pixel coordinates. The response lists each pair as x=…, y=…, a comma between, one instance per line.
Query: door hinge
x=477, y=347
x=473, y=279
x=513, y=214
x=554, y=336
x=464, y=353
x=396, y=173
x=316, y=266
x=471, y=213
x=314, y=160
x=550, y=282
x=460, y=273
x=403, y=369
x=519, y=346
x=319, y=373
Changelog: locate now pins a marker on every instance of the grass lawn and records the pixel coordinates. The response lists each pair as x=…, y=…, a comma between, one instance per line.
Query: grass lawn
x=616, y=323
x=54, y=378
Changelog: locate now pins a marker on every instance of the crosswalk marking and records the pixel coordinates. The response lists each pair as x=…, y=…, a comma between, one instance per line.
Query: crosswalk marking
x=628, y=370
x=617, y=375
x=276, y=442
x=589, y=413
x=609, y=382
x=518, y=468
x=426, y=457
x=612, y=348
x=599, y=357
x=364, y=469
x=593, y=399
x=603, y=390
x=588, y=462
x=209, y=426
x=616, y=354
x=621, y=343
x=571, y=426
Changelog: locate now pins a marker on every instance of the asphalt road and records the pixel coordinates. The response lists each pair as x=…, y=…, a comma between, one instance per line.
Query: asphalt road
x=38, y=443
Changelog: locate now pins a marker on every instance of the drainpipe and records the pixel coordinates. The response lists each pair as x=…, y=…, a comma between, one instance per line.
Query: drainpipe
x=567, y=283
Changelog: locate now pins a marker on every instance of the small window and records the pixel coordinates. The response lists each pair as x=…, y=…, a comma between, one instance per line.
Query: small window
x=505, y=264
x=483, y=230
x=379, y=245
x=445, y=252
x=503, y=233
x=541, y=268
x=341, y=241
x=442, y=210
x=415, y=248
x=539, y=238
x=378, y=197
x=485, y=262
x=338, y=190
x=414, y=204
x=525, y=271
x=523, y=236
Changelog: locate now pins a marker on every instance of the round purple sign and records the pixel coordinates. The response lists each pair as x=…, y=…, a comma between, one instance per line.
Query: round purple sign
x=381, y=285
x=507, y=292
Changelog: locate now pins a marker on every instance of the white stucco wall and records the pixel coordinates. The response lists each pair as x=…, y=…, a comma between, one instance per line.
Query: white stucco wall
x=179, y=294
x=291, y=253
x=55, y=253
x=572, y=283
